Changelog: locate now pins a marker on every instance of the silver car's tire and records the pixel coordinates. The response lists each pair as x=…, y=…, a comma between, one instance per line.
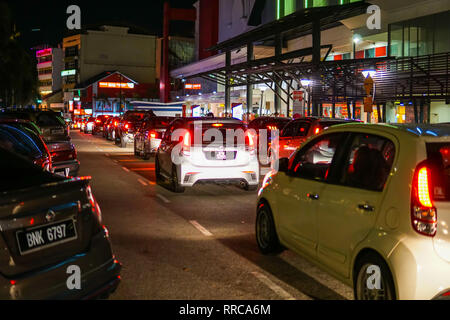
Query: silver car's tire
x=266, y=234
x=365, y=286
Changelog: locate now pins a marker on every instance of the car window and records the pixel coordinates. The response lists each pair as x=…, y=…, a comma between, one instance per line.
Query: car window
x=301, y=129
x=288, y=130
x=46, y=120
x=368, y=162
x=315, y=159
x=15, y=140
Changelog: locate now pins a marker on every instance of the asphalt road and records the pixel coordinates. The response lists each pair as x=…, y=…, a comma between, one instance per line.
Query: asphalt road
x=196, y=245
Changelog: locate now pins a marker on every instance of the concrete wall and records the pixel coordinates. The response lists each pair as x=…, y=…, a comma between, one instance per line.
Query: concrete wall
x=133, y=55
x=440, y=112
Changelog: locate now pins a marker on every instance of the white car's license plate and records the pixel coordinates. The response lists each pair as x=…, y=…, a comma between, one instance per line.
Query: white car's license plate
x=38, y=238
x=221, y=155
x=57, y=131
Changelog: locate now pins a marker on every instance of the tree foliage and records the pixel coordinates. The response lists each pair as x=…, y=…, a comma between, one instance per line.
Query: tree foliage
x=18, y=74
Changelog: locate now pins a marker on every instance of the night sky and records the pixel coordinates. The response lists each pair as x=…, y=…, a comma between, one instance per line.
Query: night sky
x=50, y=17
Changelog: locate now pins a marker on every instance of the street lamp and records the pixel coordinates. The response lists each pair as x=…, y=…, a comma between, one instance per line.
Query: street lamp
x=356, y=39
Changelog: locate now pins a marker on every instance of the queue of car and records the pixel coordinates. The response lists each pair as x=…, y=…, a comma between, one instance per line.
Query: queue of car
x=352, y=198
x=50, y=218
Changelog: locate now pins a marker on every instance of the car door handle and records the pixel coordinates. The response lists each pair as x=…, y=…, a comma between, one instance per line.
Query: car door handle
x=313, y=196
x=366, y=207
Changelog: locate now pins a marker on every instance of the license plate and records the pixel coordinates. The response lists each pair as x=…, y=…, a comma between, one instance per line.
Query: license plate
x=38, y=238
x=57, y=131
x=221, y=155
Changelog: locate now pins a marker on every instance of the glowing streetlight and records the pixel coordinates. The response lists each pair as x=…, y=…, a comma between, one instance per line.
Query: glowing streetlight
x=306, y=82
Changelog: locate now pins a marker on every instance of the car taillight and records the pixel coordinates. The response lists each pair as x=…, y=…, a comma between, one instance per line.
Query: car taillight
x=127, y=126
x=153, y=135
x=115, y=123
x=187, y=144
x=250, y=141
x=317, y=131
x=97, y=121
x=94, y=205
x=423, y=212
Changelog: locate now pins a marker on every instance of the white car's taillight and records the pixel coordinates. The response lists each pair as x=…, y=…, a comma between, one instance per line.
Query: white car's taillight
x=186, y=148
x=423, y=212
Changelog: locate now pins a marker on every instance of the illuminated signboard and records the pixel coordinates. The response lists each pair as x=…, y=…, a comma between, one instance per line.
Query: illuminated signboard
x=192, y=86
x=113, y=85
x=66, y=73
x=44, y=52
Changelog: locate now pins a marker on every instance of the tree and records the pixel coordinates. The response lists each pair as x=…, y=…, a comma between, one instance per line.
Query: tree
x=18, y=74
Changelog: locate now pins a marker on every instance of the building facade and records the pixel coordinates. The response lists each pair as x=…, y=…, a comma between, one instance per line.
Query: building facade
x=49, y=67
x=108, y=48
x=413, y=28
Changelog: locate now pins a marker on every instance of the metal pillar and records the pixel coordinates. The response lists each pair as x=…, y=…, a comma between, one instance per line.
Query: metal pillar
x=278, y=84
x=227, y=83
x=316, y=62
x=250, y=57
x=416, y=112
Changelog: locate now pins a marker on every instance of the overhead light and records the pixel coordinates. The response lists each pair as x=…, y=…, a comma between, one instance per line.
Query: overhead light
x=356, y=38
x=306, y=82
x=369, y=72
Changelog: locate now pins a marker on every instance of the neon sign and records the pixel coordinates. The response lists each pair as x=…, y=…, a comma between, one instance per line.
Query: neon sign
x=113, y=85
x=192, y=86
x=66, y=73
x=44, y=52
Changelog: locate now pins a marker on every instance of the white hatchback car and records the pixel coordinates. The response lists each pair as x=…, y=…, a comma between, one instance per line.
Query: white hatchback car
x=217, y=150
x=370, y=204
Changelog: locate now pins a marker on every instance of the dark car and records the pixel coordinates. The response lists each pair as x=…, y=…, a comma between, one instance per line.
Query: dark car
x=98, y=124
x=264, y=127
x=128, y=125
x=53, y=127
x=50, y=226
x=89, y=125
x=298, y=130
x=149, y=134
x=16, y=138
x=111, y=126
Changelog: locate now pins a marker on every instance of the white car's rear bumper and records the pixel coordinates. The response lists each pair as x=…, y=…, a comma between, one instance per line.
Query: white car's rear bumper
x=190, y=174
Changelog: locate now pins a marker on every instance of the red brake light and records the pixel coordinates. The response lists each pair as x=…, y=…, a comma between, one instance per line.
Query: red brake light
x=217, y=125
x=186, y=150
x=317, y=131
x=153, y=135
x=127, y=126
x=423, y=212
x=115, y=123
x=97, y=121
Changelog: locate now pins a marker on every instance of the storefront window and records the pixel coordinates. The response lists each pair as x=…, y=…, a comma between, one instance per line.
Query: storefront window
x=421, y=36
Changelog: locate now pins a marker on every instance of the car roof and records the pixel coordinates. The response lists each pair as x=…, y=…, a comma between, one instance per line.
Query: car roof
x=211, y=120
x=426, y=131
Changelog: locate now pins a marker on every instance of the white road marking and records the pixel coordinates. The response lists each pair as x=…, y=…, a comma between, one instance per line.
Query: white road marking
x=143, y=182
x=126, y=169
x=200, y=228
x=274, y=287
x=163, y=198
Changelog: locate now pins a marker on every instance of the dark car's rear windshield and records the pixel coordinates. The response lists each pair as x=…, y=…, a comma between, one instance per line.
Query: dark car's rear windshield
x=49, y=120
x=439, y=160
x=160, y=122
x=17, y=141
x=134, y=116
x=238, y=129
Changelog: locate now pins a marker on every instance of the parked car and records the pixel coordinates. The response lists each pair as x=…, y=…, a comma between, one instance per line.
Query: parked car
x=363, y=199
x=98, y=124
x=49, y=224
x=128, y=125
x=64, y=157
x=18, y=139
x=148, y=136
x=202, y=160
x=298, y=130
x=53, y=127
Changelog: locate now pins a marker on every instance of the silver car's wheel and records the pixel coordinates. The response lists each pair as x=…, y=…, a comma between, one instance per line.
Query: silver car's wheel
x=266, y=234
x=366, y=287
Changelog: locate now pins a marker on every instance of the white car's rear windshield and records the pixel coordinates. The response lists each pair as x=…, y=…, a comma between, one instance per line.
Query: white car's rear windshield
x=439, y=160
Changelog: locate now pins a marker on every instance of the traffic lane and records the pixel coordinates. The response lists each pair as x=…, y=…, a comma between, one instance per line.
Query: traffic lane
x=164, y=256
x=228, y=214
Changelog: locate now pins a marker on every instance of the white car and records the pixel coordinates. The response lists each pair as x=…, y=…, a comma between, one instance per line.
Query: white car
x=370, y=204
x=189, y=154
